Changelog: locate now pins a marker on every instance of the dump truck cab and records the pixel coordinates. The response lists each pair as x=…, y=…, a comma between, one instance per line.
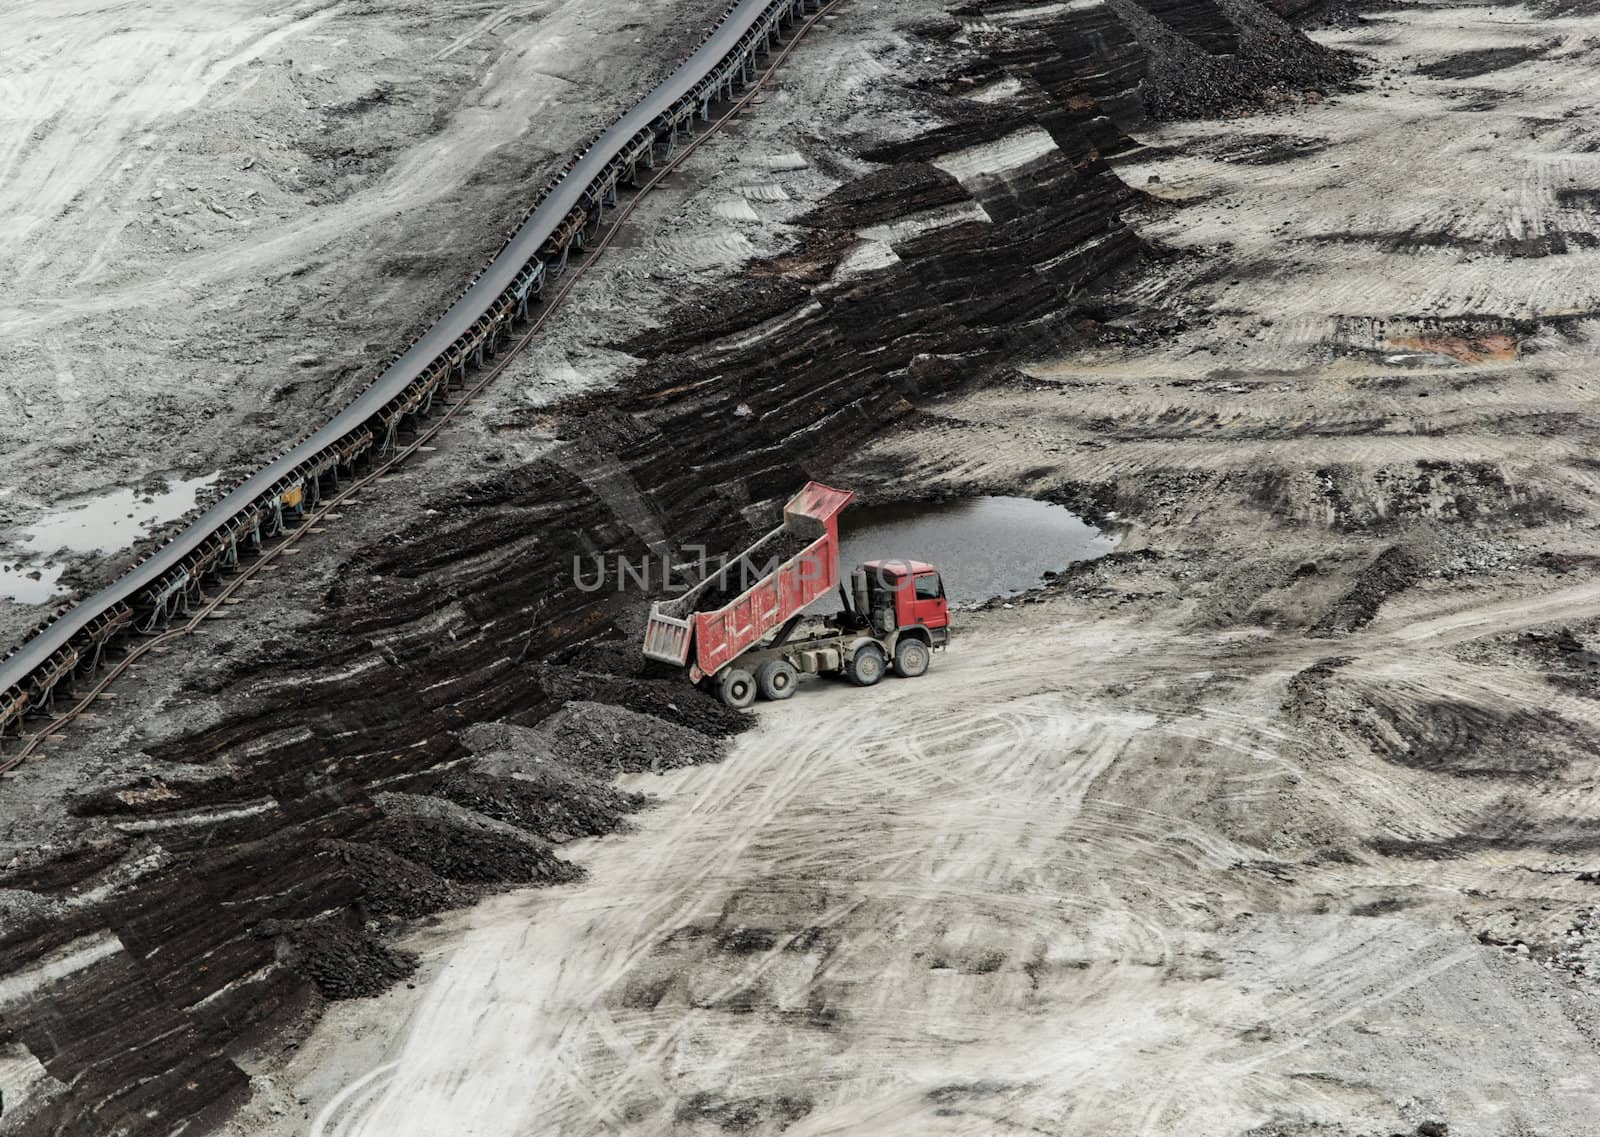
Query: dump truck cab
x=905, y=595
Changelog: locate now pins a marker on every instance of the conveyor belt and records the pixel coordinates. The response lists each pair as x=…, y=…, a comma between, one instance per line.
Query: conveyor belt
x=27, y=673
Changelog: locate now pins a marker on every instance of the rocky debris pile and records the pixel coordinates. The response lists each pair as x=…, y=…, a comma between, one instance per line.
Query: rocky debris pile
x=391, y=885
x=607, y=658
x=1573, y=950
x=1274, y=63
x=21, y=910
x=1565, y=655
x=1470, y=558
x=1579, y=953
x=1393, y=571
x=1431, y=1127
x=345, y=962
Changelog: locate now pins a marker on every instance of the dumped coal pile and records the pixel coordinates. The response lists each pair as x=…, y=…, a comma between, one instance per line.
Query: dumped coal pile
x=606, y=740
x=346, y=963
x=665, y=698
x=556, y=805
x=1274, y=63
x=469, y=854
x=736, y=577
x=391, y=885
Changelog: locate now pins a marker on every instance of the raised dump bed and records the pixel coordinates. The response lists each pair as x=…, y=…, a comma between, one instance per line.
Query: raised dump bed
x=719, y=636
x=895, y=614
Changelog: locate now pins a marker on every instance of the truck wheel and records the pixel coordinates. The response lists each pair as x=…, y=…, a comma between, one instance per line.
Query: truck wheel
x=911, y=658
x=777, y=679
x=736, y=688
x=866, y=666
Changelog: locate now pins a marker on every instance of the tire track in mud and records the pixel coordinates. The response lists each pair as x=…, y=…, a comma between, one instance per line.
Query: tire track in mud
x=733, y=793
x=1348, y=988
x=1001, y=453
x=905, y=820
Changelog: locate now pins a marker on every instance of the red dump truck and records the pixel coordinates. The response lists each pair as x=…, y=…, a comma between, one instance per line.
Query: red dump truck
x=760, y=642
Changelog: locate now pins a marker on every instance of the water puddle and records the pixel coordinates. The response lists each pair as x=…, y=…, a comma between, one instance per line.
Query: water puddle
x=33, y=556
x=983, y=546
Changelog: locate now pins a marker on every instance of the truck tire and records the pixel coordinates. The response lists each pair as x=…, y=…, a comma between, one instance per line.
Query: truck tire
x=866, y=666
x=736, y=687
x=777, y=679
x=911, y=658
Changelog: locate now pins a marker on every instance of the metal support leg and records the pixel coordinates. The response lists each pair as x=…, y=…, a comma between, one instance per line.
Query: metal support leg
x=158, y=614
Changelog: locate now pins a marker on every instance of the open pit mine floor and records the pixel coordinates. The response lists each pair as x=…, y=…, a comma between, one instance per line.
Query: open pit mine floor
x=1066, y=902
x=1271, y=822
x=1281, y=818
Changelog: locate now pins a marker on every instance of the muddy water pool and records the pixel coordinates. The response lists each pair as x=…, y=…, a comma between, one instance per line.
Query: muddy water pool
x=34, y=555
x=983, y=546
